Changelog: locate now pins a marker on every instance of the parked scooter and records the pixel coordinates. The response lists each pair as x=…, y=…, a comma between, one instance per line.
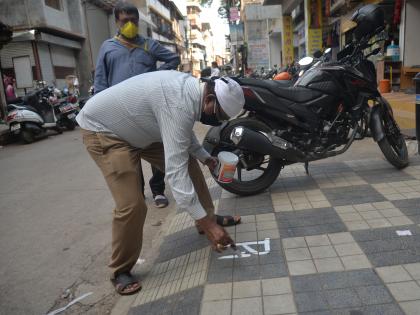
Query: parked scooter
x=32, y=118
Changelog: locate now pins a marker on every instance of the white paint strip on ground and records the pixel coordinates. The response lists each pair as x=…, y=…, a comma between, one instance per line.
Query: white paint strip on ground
x=249, y=250
x=62, y=309
x=404, y=233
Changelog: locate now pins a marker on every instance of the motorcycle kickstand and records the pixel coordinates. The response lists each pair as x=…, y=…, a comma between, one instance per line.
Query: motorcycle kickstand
x=307, y=167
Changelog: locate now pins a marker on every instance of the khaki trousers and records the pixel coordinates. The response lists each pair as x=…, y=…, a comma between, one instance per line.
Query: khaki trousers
x=120, y=165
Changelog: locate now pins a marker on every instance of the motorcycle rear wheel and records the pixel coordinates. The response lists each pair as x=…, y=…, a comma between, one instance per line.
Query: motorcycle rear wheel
x=393, y=145
x=269, y=174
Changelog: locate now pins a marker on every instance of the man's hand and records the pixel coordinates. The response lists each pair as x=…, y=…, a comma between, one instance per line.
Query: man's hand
x=211, y=163
x=216, y=234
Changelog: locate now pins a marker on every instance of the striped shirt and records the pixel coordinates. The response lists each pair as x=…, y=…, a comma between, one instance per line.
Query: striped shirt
x=155, y=107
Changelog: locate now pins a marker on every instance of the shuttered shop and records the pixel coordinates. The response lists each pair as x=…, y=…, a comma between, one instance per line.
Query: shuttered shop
x=64, y=63
x=16, y=49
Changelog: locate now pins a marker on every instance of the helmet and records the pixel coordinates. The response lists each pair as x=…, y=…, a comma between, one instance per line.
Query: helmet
x=282, y=76
x=370, y=21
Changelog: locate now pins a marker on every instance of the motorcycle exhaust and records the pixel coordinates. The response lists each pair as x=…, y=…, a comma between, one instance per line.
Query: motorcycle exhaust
x=262, y=143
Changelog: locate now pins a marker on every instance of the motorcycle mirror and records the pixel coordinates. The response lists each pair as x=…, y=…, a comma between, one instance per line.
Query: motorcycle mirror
x=305, y=61
x=327, y=51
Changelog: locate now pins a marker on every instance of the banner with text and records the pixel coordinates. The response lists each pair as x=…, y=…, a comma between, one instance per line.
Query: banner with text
x=287, y=41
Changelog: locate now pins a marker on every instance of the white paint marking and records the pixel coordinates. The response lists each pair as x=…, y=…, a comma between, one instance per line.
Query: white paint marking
x=62, y=309
x=249, y=251
x=404, y=233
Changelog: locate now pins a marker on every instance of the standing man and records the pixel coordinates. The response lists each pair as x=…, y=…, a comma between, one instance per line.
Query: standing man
x=151, y=116
x=215, y=71
x=129, y=54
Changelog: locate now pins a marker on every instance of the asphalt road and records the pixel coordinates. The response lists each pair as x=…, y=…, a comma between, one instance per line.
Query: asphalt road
x=55, y=228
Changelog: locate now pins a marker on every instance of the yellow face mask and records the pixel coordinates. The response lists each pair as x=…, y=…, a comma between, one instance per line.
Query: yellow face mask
x=129, y=30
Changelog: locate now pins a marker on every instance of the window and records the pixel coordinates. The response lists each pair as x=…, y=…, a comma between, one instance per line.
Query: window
x=56, y=4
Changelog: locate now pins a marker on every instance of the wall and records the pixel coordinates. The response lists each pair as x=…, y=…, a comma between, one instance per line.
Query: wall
x=98, y=28
x=58, y=18
x=20, y=15
x=411, y=40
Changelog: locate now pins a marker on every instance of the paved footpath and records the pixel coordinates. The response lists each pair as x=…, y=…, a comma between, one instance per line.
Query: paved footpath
x=323, y=243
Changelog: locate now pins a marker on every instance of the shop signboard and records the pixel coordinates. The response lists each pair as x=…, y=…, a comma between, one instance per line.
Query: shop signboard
x=313, y=26
x=287, y=41
x=234, y=14
x=257, y=54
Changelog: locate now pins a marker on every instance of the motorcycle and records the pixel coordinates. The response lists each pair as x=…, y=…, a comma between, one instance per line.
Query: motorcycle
x=318, y=117
x=33, y=116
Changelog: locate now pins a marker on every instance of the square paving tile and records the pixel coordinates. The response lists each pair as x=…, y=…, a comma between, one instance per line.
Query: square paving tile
x=181, y=243
x=413, y=170
x=341, y=179
x=186, y=301
x=259, y=265
x=309, y=222
x=371, y=215
x=369, y=165
x=384, y=247
x=342, y=196
x=328, y=168
x=410, y=207
x=379, y=176
x=324, y=253
x=293, y=183
x=299, y=200
x=360, y=291
x=251, y=306
x=399, y=190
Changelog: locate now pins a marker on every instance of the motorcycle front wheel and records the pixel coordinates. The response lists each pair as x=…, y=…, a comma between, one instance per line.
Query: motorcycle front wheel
x=254, y=172
x=393, y=145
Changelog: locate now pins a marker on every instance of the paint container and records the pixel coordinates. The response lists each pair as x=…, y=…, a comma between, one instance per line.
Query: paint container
x=227, y=167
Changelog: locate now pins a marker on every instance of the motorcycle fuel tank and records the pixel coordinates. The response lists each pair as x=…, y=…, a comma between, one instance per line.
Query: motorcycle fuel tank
x=320, y=80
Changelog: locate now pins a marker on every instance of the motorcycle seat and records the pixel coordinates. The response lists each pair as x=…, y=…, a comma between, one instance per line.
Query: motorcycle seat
x=284, y=89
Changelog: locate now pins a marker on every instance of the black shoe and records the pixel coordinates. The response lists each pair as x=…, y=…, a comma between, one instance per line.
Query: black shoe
x=161, y=201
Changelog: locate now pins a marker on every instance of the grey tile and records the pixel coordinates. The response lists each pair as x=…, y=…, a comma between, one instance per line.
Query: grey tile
x=309, y=222
x=245, y=289
x=276, y=286
x=181, y=243
x=273, y=271
x=310, y=301
x=379, y=176
x=384, y=247
x=246, y=273
x=340, y=196
x=293, y=183
x=249, y=306
x=332, y=167
x=279, y=304
x=273, y=257
x=341, y=298
x=180, y=302
x=410, y=207
x=219, y=275
x=370, y=295
x=215, y=307
x=335, y=280
x=218, y=291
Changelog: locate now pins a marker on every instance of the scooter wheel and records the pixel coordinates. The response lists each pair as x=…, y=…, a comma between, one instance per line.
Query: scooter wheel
x=27, y=136
x=59, y=130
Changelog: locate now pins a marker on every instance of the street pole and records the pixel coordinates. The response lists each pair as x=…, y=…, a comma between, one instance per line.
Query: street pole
x=417, y=82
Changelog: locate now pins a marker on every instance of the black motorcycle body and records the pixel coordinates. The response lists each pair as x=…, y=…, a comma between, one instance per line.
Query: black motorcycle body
x=316, y=118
